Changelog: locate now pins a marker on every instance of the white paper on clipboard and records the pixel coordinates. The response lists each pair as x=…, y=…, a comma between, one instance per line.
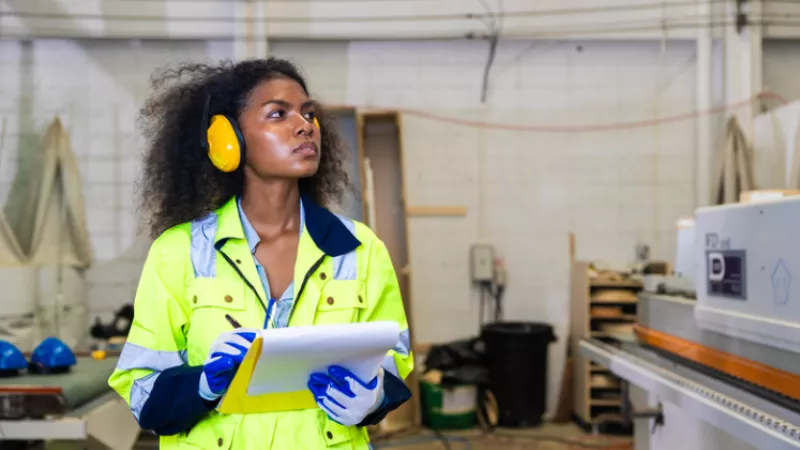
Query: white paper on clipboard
x=290, y=355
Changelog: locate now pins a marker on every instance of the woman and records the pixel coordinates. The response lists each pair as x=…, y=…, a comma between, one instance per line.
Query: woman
x=239, y=167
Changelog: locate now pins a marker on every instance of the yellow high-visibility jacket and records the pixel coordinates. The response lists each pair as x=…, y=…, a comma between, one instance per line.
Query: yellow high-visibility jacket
x=196, y=273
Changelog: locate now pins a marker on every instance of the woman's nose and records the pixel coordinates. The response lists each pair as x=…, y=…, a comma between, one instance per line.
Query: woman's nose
x=305, y=126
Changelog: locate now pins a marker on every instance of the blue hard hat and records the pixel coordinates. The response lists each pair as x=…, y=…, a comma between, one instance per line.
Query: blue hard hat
x=52, y=354
x=11, y=358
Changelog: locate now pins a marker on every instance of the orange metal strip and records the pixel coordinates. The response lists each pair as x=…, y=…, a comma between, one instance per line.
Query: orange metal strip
x=769, y=377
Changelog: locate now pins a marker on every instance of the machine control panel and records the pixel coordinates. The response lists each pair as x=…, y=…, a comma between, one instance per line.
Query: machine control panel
x=726, y=271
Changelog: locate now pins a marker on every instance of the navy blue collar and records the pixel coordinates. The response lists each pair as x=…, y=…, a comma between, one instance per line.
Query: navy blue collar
x=327, y=231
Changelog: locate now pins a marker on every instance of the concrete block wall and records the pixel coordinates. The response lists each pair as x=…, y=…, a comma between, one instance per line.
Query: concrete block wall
x=96, y=87
x=524, y=189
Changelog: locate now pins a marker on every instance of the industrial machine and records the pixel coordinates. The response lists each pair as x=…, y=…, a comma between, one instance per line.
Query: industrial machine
x=55, y=399
x=718, y=365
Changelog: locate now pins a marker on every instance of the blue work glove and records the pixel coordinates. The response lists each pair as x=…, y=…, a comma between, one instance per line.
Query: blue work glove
x=346, y=399
x=224, y=357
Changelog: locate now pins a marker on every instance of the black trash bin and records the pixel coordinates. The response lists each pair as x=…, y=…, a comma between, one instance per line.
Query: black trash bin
x=516, y=357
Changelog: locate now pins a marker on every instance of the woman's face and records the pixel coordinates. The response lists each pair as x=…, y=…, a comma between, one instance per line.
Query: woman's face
x=278, y=127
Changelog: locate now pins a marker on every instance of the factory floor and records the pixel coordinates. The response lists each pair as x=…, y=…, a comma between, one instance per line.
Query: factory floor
x=546, y=437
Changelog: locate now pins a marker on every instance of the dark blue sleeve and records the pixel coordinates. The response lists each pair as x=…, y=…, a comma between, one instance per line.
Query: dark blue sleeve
x=395, y=394
x=174, y=404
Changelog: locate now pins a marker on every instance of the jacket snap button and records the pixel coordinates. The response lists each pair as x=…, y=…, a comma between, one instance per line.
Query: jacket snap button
x=329, y=434
x=330, y=300
x=228, y=299
x=219, y=442
x=322, y=276
x=360, y=300
x=194, y=299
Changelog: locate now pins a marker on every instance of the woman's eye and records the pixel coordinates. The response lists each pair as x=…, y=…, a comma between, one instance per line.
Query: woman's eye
x=311, y=115
x=276, y=114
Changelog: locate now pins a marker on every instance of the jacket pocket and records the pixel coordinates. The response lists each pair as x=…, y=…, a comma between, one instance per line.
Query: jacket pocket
x=214, y=432
x=334, y=434
x=341, y=301
x=215, y=293
x=210, y=300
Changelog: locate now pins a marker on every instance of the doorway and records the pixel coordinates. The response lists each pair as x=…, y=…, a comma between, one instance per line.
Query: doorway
x=384, y=208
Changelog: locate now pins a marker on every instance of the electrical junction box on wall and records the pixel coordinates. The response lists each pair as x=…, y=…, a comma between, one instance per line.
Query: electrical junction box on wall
x=482, y=263
x=747, y=262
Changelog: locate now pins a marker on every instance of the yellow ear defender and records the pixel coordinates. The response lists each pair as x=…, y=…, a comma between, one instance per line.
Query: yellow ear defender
x=225, y=144
x=226, y=148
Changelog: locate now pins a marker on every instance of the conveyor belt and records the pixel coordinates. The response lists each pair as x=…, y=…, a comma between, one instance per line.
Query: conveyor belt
x=767, y=394
x=745, y=415
x=667, y=323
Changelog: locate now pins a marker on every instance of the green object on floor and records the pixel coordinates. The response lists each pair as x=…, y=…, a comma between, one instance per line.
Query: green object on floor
x=448, y=408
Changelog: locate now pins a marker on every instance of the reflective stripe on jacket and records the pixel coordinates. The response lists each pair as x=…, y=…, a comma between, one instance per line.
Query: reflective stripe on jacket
x=197, y=272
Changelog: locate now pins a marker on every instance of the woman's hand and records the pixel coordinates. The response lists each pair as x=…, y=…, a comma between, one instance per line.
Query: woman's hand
x=226, y=353
x=346, y=399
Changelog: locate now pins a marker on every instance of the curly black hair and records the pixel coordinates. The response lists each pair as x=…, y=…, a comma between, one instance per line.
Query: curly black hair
x=179, y=184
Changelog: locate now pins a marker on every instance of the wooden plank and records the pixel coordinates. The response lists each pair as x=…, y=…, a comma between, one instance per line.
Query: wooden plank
x=409, y=414
x=600, y=334
x=607, y=417
x=359, y=119
x=579, y=329
x=602, y=283
x=614, y=302
x=606, y=312
x=414, y=376
x=427, y=211
x=571, y=247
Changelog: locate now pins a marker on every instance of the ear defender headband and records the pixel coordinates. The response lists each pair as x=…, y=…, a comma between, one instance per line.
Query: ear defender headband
x=226, y=148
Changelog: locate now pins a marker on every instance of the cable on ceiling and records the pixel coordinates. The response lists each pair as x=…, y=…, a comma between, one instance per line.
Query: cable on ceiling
x=603, y=127
x=394, y=18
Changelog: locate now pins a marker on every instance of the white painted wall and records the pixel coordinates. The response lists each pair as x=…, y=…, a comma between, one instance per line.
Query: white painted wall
x=524, y=190
x=96, y=87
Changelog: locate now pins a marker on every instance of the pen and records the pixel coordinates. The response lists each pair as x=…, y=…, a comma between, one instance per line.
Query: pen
x=233, y=321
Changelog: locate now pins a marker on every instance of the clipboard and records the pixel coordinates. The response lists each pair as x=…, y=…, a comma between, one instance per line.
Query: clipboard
x=237, y=401
x=361, y=346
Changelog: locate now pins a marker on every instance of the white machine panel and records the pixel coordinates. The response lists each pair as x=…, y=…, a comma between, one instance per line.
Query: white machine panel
x=747, y=258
